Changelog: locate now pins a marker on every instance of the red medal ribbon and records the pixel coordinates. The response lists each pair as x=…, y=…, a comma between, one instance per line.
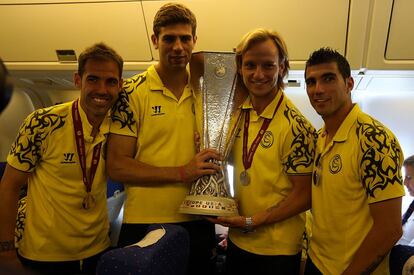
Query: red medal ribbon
x=248, y=157
x=80, y=146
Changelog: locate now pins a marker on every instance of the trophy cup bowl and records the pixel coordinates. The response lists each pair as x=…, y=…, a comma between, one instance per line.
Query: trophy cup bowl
x=214, y=80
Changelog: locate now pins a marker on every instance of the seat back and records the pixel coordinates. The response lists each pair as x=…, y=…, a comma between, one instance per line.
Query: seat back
x=402, y=260
x=167, y=256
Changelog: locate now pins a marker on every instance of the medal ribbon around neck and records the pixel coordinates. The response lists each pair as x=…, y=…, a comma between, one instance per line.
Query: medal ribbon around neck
x=248, y=157
x=80, y=147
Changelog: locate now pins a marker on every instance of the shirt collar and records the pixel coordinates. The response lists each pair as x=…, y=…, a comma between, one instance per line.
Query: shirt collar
x=156, y=84
x=269, y=111
x=87, y=127
x=343, y=130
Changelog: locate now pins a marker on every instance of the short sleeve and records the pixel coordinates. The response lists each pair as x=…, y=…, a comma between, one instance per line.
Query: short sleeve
x=27, y=149
x=380, y=161
x=298, y=144
x=123, y=118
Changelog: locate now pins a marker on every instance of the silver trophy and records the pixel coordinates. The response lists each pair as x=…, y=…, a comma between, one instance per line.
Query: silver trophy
x=214, y=81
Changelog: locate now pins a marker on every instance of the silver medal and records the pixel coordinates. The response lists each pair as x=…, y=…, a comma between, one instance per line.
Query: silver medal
x=244, y=178
x=88, y=202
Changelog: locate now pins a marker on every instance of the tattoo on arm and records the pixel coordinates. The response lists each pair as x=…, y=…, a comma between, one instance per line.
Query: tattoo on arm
x=373, y=265
x=270, y=209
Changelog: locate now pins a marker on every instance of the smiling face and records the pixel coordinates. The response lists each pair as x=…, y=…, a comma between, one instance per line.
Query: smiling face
x=260, y=70
x=328, y=92
x=409, y=178
x=99, y=85
x=175, y=44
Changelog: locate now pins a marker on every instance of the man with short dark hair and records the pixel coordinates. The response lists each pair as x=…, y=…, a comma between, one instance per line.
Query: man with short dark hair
x=357, y=184
x=59, y=153
x=151, y=147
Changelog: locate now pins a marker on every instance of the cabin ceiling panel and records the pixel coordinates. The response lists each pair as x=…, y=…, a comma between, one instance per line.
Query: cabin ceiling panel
x=33, y=32
x=305, y=25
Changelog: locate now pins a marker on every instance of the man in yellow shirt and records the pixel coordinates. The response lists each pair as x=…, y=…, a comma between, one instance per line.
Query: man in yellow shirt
x=272, y=157
x=357, y=184
x=151, y=147
x=59, y=153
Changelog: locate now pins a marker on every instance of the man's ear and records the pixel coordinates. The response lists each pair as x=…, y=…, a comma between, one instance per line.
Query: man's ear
x=154, y=40
x=121, y=82
x=350, y=83
x=77, y=79
x=281, y=69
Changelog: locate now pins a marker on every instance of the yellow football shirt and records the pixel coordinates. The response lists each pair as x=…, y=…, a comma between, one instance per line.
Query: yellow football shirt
x=164, y=128
x=57, y=228
x=287, y=148
x=361, y=165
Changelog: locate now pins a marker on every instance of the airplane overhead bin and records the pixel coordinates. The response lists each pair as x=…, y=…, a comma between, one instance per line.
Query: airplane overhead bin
x=46, y=35
x=41, y=39
x=391, y=36
x=36, y=29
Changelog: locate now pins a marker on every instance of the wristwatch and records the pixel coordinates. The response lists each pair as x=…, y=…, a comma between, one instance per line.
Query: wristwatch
x=248, y=225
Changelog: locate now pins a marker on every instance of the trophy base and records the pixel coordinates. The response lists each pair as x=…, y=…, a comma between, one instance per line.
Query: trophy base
x=209, y=206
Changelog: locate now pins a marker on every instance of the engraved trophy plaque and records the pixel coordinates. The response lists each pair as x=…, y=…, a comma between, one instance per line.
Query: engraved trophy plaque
x=213, y=79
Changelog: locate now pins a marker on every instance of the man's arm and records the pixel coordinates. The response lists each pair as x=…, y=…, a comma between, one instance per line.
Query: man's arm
x=384, y=233
x=298, y=201
x=123, y=167
x=10, y=185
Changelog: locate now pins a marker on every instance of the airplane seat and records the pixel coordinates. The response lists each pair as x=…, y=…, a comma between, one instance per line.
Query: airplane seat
x=115, y=200
x=402, y=260
x=163, y=251
x=113, y=187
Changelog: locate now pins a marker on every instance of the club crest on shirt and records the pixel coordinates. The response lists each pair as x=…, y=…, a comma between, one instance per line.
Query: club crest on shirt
x=267, y=140
x=335, y=164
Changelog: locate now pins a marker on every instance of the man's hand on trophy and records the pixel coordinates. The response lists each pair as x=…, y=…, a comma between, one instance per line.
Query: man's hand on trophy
x=200, y=165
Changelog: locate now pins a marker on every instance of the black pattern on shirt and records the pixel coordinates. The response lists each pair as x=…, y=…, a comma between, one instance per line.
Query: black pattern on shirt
x=121, y=111
x=35, y=129
x=381, y=156
x=303, y=143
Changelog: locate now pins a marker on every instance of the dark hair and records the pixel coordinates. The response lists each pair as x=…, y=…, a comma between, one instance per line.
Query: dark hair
x=262, y=35
x=409, y=161
x=99, y=51
x=174, y=13
x=328, y=55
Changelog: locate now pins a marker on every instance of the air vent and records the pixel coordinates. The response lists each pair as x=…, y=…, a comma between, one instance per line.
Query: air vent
x=293, y=83
x=66, y=55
